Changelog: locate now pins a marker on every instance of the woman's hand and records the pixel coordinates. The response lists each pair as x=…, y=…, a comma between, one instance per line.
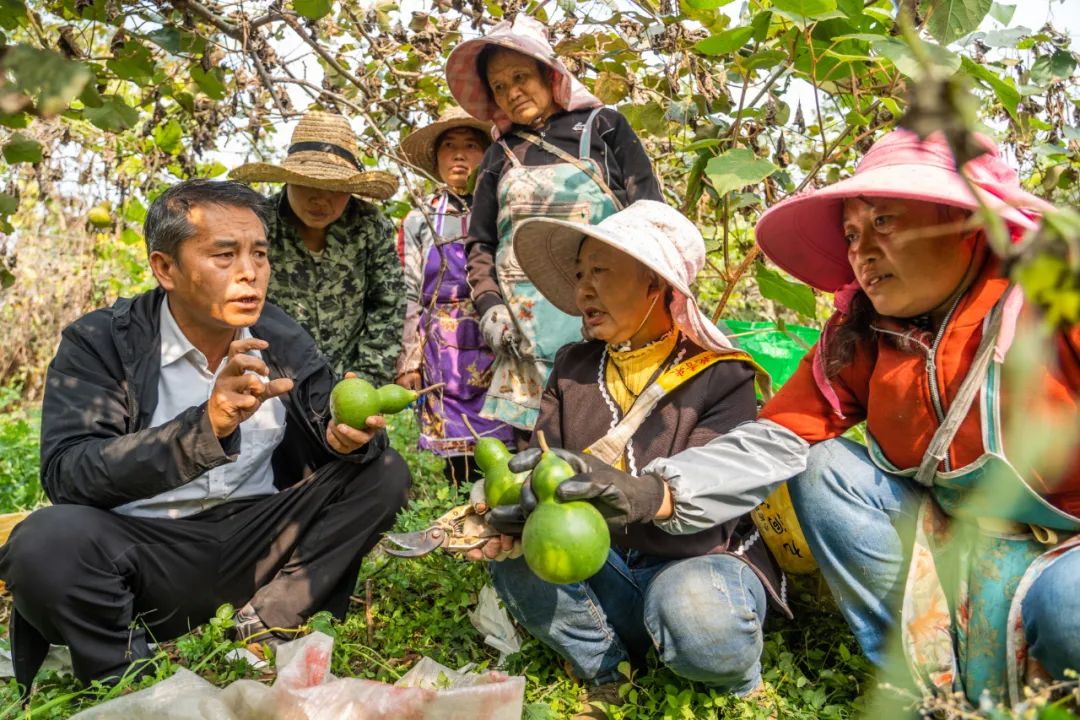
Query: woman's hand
x=498, y=548
x=500, y=333
x=410, y=379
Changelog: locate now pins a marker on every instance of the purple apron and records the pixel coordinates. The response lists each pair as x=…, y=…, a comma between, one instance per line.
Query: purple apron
x=453, y=348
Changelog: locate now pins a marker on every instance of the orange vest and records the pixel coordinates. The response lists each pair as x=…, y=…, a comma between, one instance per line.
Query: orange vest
x=890, y=390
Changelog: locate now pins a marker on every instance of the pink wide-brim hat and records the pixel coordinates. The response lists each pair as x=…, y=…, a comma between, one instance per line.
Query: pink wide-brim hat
x=803, y=234
x=528, y=36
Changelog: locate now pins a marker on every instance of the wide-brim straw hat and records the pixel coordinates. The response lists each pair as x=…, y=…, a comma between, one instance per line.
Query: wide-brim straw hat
x=525, y=35
x=804, y=234
x=653, y=233
x=322, y=154
x=419, y=146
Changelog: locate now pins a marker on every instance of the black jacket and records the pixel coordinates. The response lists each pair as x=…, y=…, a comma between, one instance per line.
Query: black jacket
x=101, y=391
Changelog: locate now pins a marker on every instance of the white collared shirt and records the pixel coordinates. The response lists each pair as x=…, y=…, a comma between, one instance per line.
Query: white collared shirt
x=186, y=381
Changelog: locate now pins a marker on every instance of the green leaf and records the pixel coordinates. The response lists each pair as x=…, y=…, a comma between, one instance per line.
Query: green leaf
x=950, y=20
x=312, y=9
x=1062, y=64
x=21, y=148
x=11, y=12
x=736, y=169
x=114, y=115
x=49, y=79
x=707, y=4
x=168, y=137
x=212, y=83
x=8, y=204
x=6, y=278
x=725, y=42
x=1002, y=13
x=789, y=293
x=132, y=62
x=176, y=41
x=760, y=24
x=1002, y=87
x=805, y=8
x=15, y=121
x=902, y=56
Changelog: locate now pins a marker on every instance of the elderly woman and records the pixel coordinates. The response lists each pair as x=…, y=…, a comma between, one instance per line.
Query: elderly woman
x=442, y=342
x=336, y=269
x=559, y=154
x=656, y=378
x=923, y=325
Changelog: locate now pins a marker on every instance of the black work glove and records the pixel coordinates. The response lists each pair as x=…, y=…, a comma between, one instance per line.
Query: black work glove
x=510, y=519
x=621, y=498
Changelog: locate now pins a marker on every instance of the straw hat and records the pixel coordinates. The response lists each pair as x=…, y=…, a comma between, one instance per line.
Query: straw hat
x=419, y=147
x=655, y=234
x=322, y=154
x=803, y=234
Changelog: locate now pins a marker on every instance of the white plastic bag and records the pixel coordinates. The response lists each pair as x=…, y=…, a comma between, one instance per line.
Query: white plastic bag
x=493, y=622
x=305, y=690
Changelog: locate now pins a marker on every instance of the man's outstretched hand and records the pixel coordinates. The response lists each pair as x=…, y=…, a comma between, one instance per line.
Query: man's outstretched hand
x=239, y=390
x=345, y=439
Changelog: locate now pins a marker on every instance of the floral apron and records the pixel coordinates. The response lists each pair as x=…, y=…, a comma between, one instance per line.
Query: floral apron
x=983, y=536
x=570, y=190
x=453, y=347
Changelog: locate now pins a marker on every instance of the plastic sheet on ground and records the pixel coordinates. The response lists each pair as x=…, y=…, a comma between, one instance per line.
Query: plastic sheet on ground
x=305, y=690
x=493, y=622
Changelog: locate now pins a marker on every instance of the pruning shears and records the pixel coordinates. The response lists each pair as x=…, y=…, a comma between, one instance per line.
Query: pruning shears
x=461, y=528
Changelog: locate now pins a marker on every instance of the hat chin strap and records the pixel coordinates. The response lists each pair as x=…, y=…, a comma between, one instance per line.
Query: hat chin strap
x=644, y=320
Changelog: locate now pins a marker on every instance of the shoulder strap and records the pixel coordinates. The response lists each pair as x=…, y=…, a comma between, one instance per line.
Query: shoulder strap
x=611, y=447
x=584, y=165
x=939, y=444
x=509, y=153
x=586, y=135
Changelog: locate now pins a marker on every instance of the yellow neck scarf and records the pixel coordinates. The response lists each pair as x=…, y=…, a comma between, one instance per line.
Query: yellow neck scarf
x=628, y=371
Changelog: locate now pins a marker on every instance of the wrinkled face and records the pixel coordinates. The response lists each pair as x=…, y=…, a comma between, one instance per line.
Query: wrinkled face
x=218, y=281
x=457, y=154
x=614, y=292
x=909, y=256
x=520, y=86
x=316, y=208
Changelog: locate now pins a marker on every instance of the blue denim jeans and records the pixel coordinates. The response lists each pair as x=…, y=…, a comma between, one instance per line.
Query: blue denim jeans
x=703, y=616
x=858, y=521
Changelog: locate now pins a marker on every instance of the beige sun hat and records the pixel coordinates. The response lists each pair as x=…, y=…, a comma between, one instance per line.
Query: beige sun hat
x=419, y=146
x=322, y=154
x=653, y=233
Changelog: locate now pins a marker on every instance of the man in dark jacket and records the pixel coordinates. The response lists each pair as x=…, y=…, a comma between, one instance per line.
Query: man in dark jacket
x=187, y=447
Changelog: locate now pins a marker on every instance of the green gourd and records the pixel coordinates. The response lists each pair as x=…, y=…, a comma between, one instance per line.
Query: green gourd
x=563, y=542
x=501, y=487
x=353, y=400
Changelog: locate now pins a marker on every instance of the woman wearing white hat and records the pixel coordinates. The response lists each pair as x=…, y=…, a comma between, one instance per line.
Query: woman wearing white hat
x=657, y=378
x=335, y=265
x=442, y=342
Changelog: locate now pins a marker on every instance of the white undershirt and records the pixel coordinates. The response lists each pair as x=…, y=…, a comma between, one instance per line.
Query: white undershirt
x=186, y=381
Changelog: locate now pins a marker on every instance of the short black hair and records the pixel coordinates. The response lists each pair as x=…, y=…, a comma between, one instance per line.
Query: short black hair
x=167, y=224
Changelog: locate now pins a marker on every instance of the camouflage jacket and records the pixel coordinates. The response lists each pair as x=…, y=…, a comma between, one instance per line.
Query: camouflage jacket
x=351, y=297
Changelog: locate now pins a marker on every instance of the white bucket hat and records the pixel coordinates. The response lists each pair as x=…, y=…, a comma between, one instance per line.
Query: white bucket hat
x=653, y=233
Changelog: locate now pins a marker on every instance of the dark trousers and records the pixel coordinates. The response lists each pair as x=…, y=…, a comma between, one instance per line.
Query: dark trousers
x=105, y=584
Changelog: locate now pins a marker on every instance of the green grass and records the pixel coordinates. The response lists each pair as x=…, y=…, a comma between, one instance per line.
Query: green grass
x=811, y=665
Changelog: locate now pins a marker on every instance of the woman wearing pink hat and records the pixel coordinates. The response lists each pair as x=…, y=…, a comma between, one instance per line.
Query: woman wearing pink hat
x=916, y=350
x=558, y=153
